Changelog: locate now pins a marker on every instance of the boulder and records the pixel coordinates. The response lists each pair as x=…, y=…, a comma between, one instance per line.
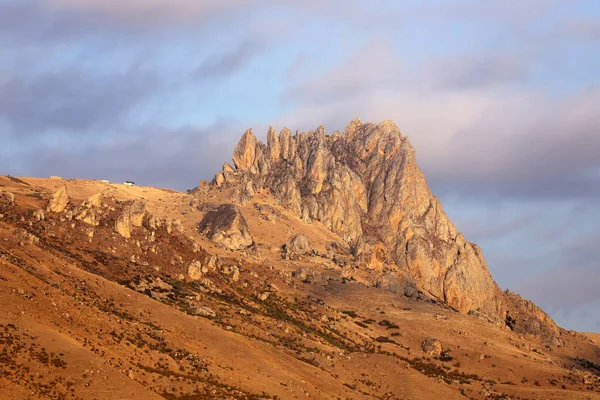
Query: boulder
x=228, y=170
x=89, y=216
x=153, y=223
x=60, y=200
x=296, y=247
x=233, y=271
x=309, y=275
x=397, y=283
x=195, y=271
x=94, y=201
x=432, y=346
x=194, y=203
x=212, y=262
x=7, y=197
x=219, y=179
x=226, y=226
x=40, y=215
x=173, y=225
x=202, y=311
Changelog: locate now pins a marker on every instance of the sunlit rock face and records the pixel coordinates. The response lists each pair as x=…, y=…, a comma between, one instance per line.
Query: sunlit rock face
x=364, y=184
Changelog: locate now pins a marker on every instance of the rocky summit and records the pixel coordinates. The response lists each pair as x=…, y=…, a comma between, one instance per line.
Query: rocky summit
x=364, y=184
x=315, y=266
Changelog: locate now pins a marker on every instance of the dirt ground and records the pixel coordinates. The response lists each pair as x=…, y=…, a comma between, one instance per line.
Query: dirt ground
x=88, y=314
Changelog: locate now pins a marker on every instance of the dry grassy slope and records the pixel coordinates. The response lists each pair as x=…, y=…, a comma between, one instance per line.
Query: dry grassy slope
x=101, y=339
x=594, y=336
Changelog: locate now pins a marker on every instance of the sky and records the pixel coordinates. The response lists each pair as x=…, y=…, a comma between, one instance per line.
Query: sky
x=499, y=98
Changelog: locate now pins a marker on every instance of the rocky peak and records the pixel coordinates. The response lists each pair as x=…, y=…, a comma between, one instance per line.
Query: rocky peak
x=245, y=151
x=364, y=185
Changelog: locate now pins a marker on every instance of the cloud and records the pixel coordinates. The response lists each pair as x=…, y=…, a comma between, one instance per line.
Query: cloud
x=368, y=69
x=471, y=130
x=230, y=60
x=73, y=100
x=68, y=16
x=161, y=157
x=498, y=98
x=564, y=288
x=481, y=70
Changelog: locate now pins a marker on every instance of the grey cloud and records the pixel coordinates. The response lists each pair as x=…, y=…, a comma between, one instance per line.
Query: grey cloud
x=368, y=69
x=475, y=71
x=566, y=287
x=52, y=19
x=229, y=61
x=526, y=188
x=73, y=99
x=176, y=159
x=491, y=226
x=549, y=152
x=585, y=251
x=37, y=18
x=472, y=133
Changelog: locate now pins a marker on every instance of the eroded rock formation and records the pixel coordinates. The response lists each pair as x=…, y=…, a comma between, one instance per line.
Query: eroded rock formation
x=7, y=197
x=60, y=200
x=296, y=247
x=364, y=184
x=226, y=226
x=131, y=215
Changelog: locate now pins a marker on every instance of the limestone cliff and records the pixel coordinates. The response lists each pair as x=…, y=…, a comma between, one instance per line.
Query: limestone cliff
x=364, y=184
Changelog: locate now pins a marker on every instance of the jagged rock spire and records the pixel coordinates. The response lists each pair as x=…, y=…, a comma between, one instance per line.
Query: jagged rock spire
x=245, y=151
x=364, y=184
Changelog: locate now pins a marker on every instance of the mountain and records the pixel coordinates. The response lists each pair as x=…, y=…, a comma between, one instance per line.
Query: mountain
x=364, y=185
x=317, y=266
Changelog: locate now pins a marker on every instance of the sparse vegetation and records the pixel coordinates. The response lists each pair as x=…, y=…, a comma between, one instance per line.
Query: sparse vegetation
x=148, y=327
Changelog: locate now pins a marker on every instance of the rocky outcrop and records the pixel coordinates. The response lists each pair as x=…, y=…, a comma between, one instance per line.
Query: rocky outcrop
x=173, y=225
x=432, y=346
x=131, y=215
x=60, y=200
x=40, y=215
x=202, y=311
x=245, y=151
x=397, y=283
x=89, y=216
x=90, y=210
x=226, y=226
x=364, y=184
x=7, y=197
x=123, y=224
x=137, y=211
x=296, y=247
x=309, y=275
x=94, y=201
x=195, y=270
x=524, y=317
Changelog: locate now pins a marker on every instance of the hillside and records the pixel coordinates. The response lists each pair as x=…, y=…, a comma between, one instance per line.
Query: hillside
x=318, y=266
